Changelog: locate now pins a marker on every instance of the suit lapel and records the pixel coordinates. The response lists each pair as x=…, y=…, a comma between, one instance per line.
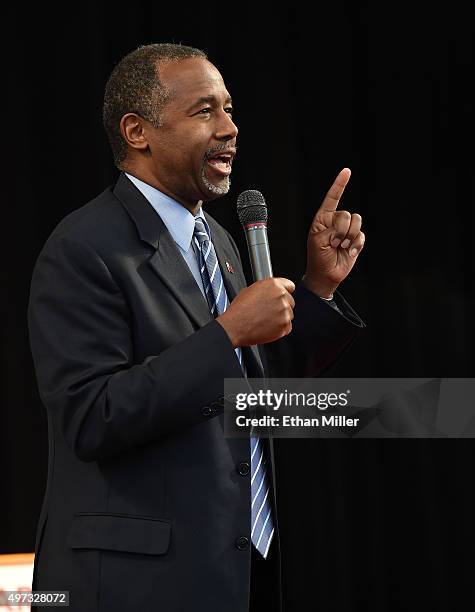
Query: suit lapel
x=169, y=265
x=233, y=281
x=167, y=261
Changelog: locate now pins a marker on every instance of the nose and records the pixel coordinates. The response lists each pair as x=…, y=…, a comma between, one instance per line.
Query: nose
x=226, y=128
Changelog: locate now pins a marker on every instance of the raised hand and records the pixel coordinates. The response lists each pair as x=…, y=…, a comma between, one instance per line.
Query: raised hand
x=334, y=241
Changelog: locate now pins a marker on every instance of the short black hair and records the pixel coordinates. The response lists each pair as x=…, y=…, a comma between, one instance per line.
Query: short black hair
x=134, y=87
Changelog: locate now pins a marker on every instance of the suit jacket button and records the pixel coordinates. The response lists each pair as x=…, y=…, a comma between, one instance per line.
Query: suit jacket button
x=242, y=543
x=207, y=411
x=244, y=468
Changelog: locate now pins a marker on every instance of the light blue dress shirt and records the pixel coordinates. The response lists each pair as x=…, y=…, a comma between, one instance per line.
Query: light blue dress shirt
x=179, y=222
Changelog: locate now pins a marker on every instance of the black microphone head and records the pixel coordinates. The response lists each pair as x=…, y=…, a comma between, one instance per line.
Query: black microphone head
x=251, y=207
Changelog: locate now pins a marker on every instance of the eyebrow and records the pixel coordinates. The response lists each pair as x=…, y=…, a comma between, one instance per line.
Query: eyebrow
x=209, y=100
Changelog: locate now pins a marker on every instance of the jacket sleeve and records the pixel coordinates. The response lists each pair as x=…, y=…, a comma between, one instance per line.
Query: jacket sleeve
x=319, y=337
x=81, y=340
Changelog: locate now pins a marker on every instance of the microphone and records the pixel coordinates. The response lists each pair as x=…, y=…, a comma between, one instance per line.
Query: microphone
x=252, y=213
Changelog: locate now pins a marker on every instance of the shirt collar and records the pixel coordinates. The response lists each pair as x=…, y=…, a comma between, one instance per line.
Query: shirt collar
x=178, y=220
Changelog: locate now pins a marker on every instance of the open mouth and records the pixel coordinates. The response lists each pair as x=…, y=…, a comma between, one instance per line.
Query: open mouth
x=221, y=164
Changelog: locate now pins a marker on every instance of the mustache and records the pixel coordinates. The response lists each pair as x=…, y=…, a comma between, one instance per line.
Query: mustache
x=224, y=147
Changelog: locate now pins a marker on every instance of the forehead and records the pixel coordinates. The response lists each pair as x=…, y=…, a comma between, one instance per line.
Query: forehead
x=192, y=78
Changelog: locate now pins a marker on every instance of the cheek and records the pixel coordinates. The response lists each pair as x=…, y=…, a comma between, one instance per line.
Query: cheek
x=170, y=155
x=183, y=150
x=196, y=137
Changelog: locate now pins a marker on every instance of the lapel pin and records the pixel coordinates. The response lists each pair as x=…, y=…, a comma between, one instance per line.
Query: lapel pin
x=229, y=267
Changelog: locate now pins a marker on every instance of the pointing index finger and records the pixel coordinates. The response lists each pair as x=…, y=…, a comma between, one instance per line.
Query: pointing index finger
x=332, y=199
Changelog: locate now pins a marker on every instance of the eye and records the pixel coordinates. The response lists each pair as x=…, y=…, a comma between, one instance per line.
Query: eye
x=229, y=110
x=204, y=111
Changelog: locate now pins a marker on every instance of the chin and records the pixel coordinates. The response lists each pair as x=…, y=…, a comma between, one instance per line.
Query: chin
x=213, y=190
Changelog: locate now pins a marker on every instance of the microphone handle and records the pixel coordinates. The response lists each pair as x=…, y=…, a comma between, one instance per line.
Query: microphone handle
x=259, y=254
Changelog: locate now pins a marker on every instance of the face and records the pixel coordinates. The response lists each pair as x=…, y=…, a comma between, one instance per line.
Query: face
x=190, y=155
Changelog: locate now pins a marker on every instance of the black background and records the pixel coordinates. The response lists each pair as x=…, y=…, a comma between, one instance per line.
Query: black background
x=383, y=89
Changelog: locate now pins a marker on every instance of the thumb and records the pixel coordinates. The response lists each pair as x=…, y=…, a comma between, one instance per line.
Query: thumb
x=324, y=237
x=288, y=284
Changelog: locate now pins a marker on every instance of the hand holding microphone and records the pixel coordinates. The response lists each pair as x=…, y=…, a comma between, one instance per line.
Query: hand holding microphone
x=262, y=312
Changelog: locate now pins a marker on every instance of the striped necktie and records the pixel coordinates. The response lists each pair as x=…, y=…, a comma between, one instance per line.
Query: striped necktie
x=262, y=524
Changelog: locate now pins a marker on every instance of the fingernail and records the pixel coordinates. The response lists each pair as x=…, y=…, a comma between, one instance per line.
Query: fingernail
x=354, y=252
x=345, y=243
x=335, y=242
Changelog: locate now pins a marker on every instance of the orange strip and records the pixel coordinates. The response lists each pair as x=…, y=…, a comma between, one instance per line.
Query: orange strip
x=18, y=559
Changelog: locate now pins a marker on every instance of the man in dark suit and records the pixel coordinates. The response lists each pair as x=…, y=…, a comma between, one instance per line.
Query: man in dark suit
x=148, y=504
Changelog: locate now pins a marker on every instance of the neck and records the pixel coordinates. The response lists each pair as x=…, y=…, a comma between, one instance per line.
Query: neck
x=191, y=205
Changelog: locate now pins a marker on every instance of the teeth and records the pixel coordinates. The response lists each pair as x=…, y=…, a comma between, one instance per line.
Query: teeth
x=219, y=160
x=224, y=158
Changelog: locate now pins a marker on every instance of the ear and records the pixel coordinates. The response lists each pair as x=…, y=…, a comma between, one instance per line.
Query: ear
x=132, y=128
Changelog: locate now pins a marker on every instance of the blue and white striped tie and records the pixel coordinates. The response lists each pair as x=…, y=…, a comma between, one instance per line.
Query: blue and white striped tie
x=262, y=528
